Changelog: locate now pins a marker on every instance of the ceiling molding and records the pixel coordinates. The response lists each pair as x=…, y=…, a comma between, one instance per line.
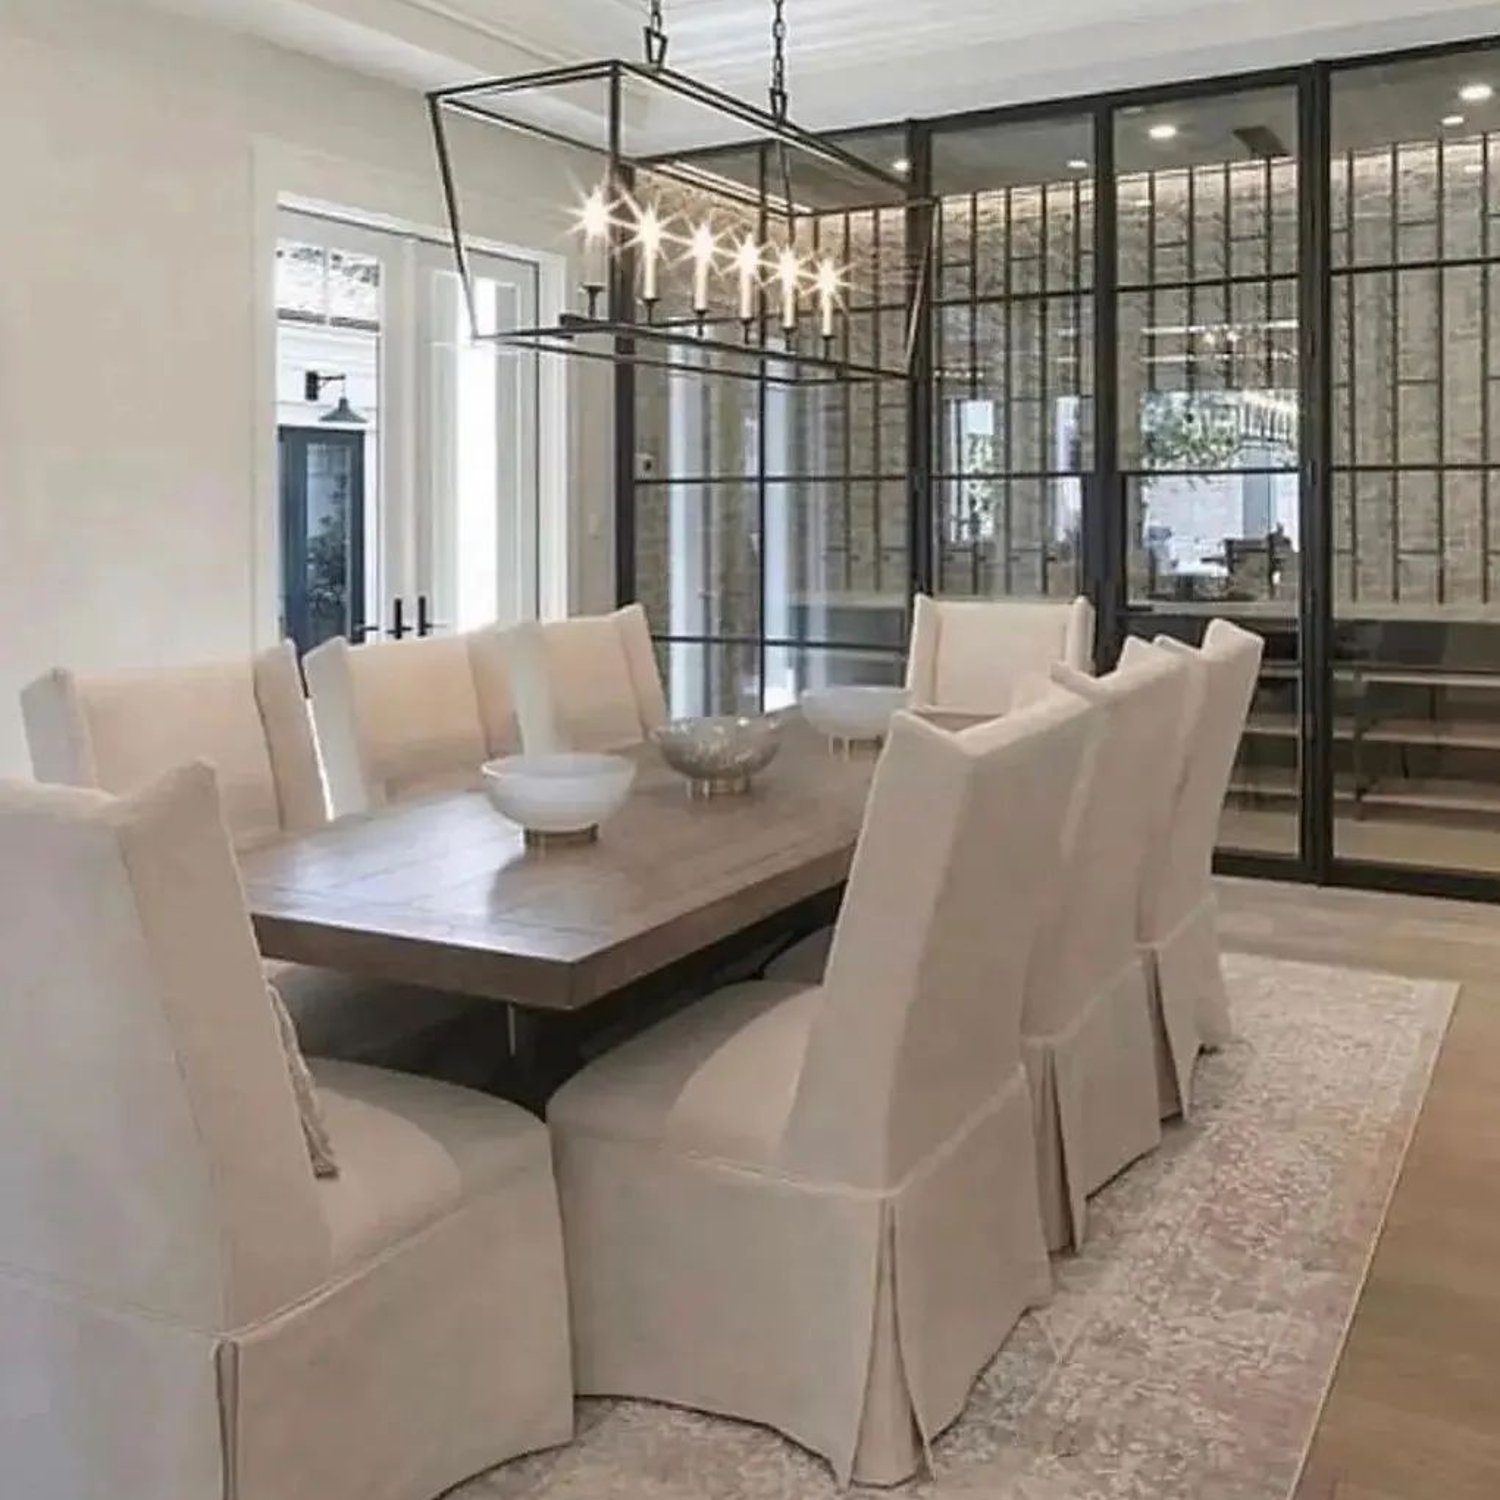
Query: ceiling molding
x=536, y=34
x=856, y=62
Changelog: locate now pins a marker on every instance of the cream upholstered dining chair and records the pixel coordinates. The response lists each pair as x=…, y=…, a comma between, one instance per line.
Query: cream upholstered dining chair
x=186, y=1310
x=248, y=718
x=970, y=656
x=588, y=683
x=399, y=719
x=1177, y=915
x=1086, y=1024
x=815, y=1207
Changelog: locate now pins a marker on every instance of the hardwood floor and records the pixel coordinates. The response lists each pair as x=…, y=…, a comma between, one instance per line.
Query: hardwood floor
x=1414, y=1409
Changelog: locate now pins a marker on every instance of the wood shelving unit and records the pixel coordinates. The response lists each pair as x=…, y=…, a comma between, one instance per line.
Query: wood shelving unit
x=1424, y=739
x=1410, y=739
x=1456, y=733
x=1415, y=735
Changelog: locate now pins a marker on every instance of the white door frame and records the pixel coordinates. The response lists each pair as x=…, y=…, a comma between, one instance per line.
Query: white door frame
x=275, y=167
x=517, y=547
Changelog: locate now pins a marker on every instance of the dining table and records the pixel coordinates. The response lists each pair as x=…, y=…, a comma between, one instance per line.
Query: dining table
x=445, y=893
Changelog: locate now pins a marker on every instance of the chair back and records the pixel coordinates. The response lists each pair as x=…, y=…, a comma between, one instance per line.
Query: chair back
x=589, y=683
x=920, y=1021
x=399, y=719
x=969, y=655
x=1089, y=935
x=151, y=1156
x=1226, y=669
x=248, y=718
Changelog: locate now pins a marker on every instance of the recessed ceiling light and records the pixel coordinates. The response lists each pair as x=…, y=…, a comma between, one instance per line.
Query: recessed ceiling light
x=1476, y=93
x=901, y=166
x=1078, y=164
x=1452, y=122
x=1162, y=132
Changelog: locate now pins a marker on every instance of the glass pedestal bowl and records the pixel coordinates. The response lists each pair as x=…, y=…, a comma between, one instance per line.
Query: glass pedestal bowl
x=719, y=755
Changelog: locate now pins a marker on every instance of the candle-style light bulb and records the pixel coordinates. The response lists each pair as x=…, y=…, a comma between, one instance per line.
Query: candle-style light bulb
x=648, y=235
x=703, y=259
x=828, y=294
x=788, y=272
x=747, y=263
x=593, y=220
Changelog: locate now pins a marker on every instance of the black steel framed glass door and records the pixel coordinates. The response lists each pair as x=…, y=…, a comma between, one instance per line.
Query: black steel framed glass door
x=1415, y=235
x=1207, y=261
x=322, y=533
x=1229, y=348
x=1012, y=356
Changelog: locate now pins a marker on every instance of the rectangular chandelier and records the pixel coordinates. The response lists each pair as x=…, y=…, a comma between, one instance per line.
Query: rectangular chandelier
x=703, y=234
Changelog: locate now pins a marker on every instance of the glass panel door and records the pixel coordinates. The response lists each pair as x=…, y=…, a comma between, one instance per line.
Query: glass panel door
x=1013, y=356
x=1209, y=396
x=322, y=534
x=1416, y=440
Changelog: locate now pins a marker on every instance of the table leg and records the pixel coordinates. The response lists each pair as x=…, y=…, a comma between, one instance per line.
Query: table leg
x=545, y=1051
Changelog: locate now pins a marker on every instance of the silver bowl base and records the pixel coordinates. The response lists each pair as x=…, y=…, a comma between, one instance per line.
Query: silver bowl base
x=706, y=788
x=574, y=838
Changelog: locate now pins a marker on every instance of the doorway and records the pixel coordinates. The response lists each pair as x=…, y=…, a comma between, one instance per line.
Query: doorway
x=409, y=482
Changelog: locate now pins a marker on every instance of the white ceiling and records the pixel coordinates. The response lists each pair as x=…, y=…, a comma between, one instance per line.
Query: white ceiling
x=858, y=61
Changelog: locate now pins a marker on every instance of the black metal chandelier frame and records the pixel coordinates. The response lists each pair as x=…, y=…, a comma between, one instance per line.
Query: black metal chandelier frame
x=752, y=348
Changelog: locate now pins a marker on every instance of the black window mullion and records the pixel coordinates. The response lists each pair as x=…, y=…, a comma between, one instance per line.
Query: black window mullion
x=1104, y=504
x=1351, y=375
x=975, y=551
x=762, y=406
x=1394, y=181
x=923, y=239
x=1440, y=313
x=1485, y=335
x=1315, y=603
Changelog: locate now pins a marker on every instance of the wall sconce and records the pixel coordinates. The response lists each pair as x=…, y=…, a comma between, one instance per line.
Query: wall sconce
x=312, y=390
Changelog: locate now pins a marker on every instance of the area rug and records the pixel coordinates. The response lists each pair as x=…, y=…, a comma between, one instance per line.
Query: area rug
x=1188, y=1349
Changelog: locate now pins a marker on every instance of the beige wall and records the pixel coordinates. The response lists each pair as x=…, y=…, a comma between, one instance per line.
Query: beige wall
x=142, y=157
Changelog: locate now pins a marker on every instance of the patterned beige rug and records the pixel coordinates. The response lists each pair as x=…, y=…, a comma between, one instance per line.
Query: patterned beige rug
x=1189, y=1348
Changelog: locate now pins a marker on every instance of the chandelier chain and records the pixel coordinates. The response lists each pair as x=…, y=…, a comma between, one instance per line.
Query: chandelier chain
x=778, y=61
x=656, y=35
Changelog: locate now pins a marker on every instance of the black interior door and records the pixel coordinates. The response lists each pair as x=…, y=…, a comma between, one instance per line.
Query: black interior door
x=322, y=534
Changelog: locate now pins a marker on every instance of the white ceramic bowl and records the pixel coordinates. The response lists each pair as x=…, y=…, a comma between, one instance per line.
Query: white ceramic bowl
x=852, y=713
x=558, y=794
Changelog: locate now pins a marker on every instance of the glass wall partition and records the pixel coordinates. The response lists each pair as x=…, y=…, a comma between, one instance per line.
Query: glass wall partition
x=1012, y=332
x=1227, y=350
x=771, y=518
x=1207, y=289
x=1415, y=200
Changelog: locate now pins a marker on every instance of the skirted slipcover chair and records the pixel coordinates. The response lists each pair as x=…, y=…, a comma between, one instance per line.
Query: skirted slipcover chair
x=589, y=683
x=970, y=656
x=1086, y=1024
x=249, y=720
x=246, y=717
x=186, y=1311
x=815, y=1207
x=401, y=719
x=1177, y=917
